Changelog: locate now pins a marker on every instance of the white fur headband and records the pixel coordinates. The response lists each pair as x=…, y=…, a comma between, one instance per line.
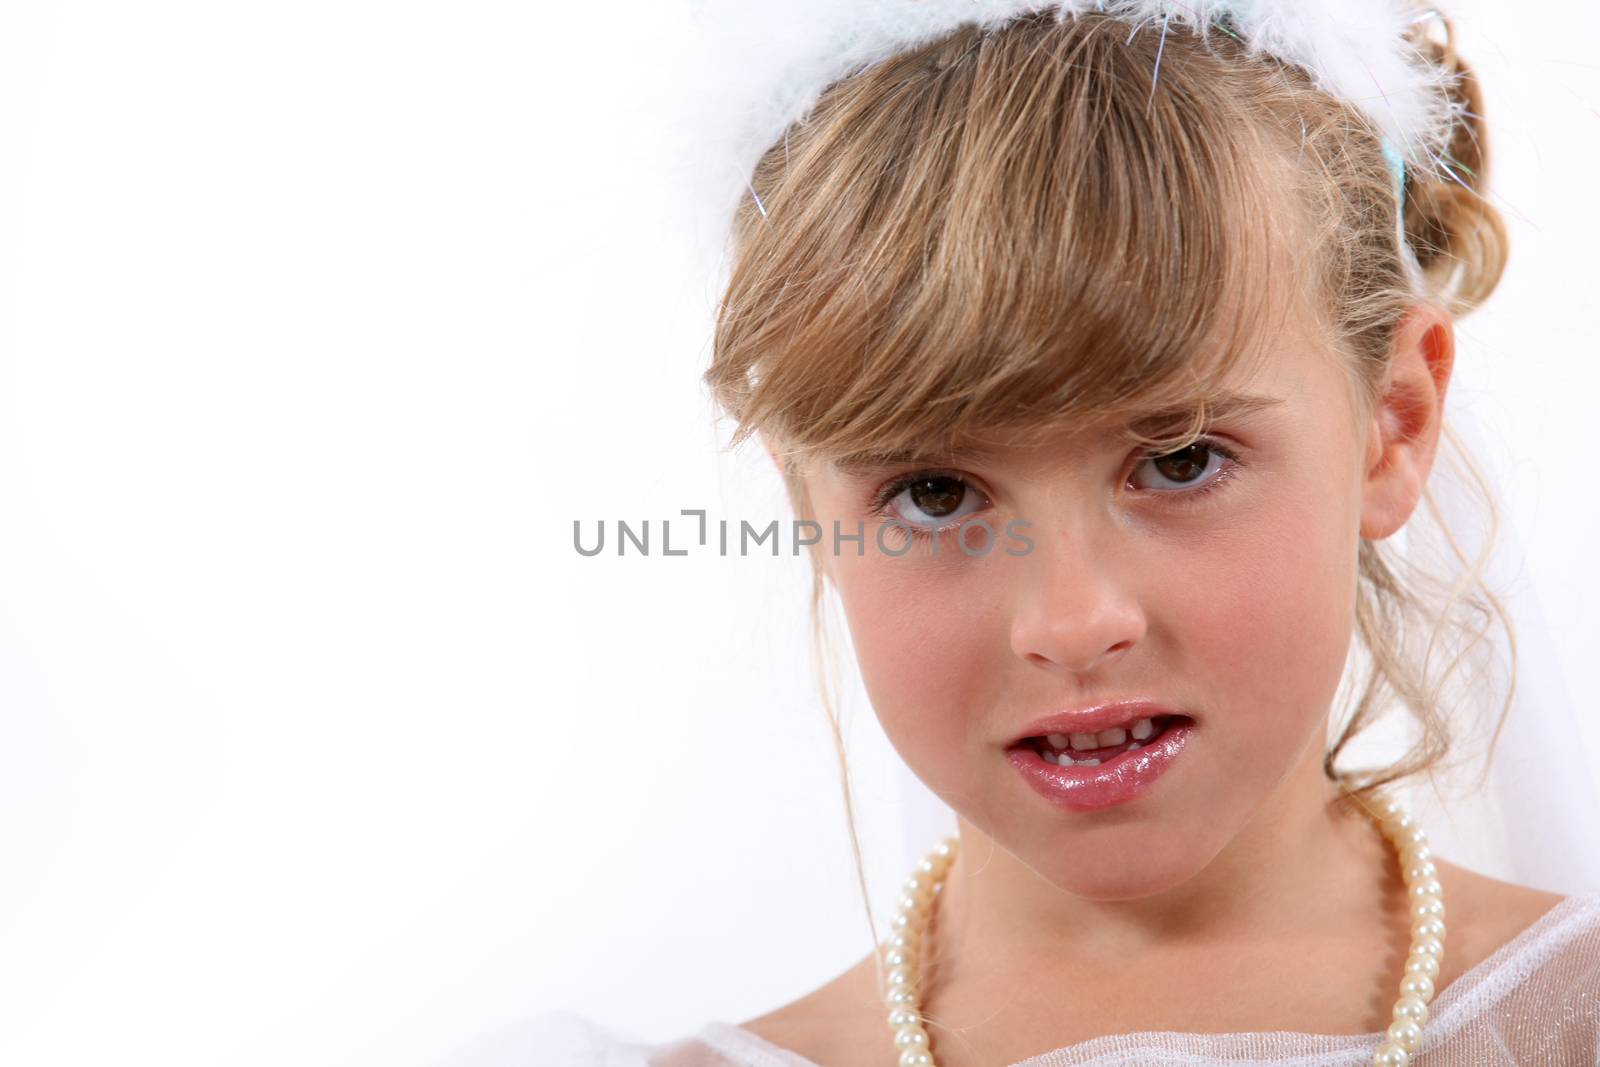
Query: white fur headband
x=772, y=60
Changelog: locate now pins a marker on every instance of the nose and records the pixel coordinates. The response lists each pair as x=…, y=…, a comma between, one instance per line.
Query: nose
x=1074, y=611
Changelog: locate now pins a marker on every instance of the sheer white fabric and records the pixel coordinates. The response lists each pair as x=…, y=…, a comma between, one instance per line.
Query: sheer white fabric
x=1535, y=1000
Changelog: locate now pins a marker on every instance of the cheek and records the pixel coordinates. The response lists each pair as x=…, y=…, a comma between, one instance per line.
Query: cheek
x=924, y=640
x=1271, y=603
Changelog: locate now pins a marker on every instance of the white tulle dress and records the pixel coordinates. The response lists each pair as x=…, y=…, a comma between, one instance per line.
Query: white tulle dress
x=1534, y=1001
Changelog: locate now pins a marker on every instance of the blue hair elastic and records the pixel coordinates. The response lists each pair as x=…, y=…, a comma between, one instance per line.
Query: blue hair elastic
x=1397, y=167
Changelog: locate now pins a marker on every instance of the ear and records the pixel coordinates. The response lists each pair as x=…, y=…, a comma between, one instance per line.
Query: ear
x=1403, y=436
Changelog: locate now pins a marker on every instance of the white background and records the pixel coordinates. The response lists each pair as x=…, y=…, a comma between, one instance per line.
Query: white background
x=320, y=323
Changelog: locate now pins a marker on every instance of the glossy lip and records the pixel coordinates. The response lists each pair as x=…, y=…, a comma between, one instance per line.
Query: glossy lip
x=1122, y=778
x=1097, y=717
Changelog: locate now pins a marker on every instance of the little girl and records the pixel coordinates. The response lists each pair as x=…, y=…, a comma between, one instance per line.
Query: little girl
x=1108, y=349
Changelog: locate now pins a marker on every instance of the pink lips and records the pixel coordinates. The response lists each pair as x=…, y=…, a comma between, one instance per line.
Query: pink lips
x=1117, y=781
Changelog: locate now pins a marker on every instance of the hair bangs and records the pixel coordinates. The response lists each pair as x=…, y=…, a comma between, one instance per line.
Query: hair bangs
x=1001, y=235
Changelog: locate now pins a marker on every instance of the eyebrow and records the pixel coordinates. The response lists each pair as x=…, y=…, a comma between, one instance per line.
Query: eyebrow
x=1218, y=406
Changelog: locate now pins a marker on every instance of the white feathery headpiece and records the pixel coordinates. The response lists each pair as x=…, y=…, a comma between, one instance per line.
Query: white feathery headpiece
x=772, y=60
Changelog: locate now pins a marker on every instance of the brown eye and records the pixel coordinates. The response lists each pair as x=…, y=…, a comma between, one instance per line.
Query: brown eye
x=929, y=500
x=1191, y=470
x=1183, y=466
x=936, y=497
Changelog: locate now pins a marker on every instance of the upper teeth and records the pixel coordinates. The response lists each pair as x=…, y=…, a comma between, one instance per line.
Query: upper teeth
x=1141, y=730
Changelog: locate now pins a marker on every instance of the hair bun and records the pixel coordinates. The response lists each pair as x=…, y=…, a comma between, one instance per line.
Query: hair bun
x=1459, y=238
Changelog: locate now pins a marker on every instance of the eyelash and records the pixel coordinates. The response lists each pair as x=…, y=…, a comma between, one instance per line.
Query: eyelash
x=879, y=505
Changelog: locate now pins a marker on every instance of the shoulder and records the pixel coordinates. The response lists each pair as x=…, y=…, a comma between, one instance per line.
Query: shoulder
x=833, y=1023
x=1489, y=912
x=1485, y=915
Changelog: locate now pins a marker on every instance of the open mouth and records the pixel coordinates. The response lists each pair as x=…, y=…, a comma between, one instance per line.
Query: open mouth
x=1091, y=750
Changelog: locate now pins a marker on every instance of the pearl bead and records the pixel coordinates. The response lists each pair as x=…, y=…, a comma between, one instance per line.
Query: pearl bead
x=1417, y=985
x=1427, y=965
x=1427, y=946
x=1415, y=854
x=1426, y=887
x=926, y=867
x=1390, y=1055
x=1429, y=907
x=1433, y=928
x=897, y=958
x=905, y=942
x=1421, y=871
x=911, y=1037
x=1406, y=1034
x=915, y=1058
x=913, y=905
x=900, y=976
x=1411, y=1007
x=902, y=997
x=900, y=1018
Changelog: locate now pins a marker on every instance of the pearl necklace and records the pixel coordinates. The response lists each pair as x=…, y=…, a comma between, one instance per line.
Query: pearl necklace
x=903, y=949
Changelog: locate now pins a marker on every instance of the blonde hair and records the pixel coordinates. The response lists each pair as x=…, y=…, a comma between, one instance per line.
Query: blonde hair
x=1008, y=231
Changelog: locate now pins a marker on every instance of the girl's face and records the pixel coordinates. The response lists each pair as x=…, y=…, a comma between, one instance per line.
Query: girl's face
x=1220, y=582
